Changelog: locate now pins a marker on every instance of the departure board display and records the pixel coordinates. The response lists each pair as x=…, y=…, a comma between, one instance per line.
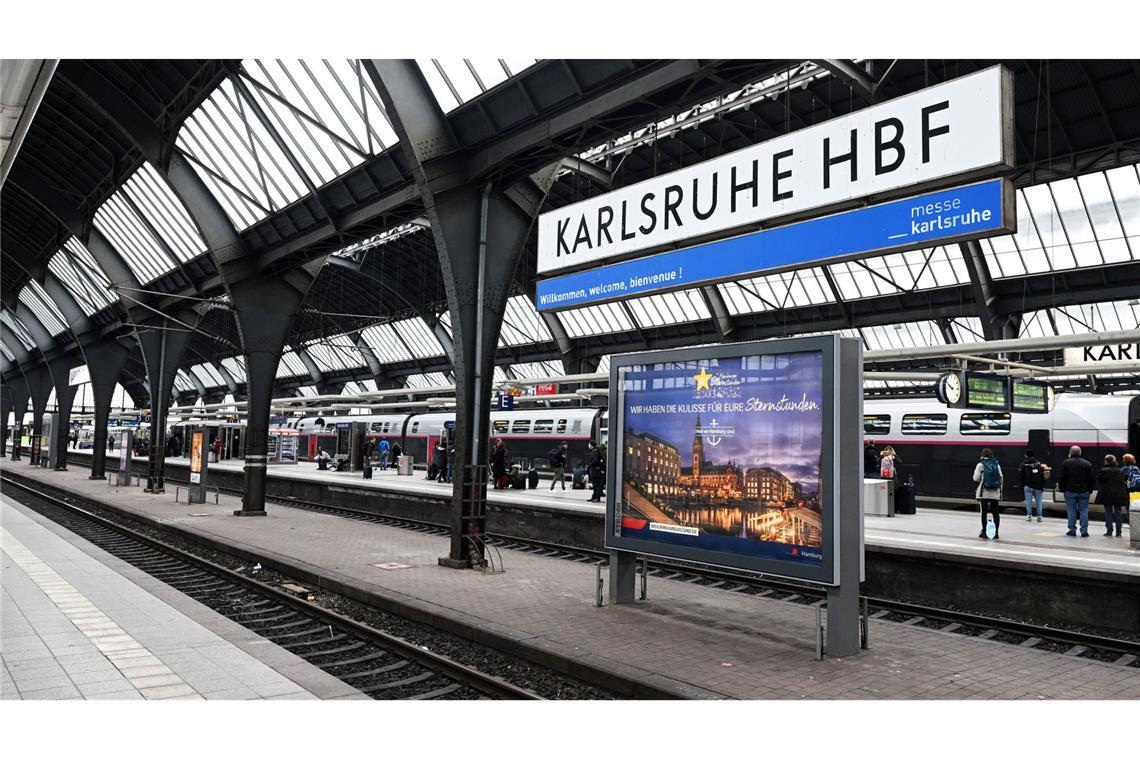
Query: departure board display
x=987, y=391
x=1031, y=397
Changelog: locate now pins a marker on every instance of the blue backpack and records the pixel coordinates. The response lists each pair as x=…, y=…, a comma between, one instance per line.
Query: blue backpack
x=1132, y=477
x=991, y=474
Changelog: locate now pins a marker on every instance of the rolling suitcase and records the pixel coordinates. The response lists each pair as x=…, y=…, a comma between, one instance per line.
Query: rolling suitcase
x=532, y=478
x=904, y=499
x=519, y=482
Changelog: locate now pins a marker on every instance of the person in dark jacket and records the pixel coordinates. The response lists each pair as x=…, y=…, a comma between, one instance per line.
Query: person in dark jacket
x=1075, y=479
x=557, y=458
x=394, y=453
x=870, y=460
x=499, y=463
x=1032, y=474
x=597, y=472
x=1112, y=494
x=440, y=460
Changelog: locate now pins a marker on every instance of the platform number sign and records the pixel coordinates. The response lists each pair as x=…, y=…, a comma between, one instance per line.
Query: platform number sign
x=506, y=402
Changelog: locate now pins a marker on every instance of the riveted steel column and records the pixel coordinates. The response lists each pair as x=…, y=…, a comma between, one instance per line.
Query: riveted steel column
x=64, y=398
x=105, y=367
x=19, y=390
x=39, y=388
x=163, y=347
x=5, y=410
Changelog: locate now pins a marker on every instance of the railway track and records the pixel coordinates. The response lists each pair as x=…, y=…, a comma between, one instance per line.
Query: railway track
x=1122, y=652
x=376, y=663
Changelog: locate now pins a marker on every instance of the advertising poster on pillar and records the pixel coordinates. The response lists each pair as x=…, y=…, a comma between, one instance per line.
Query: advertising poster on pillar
x=725, y=456
x=197, y=444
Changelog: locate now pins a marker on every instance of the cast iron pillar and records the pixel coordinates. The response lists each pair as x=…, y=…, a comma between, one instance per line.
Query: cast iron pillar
x=264, y=309
x=5, y=410
x=105, y=371
x=64, y=398
x=19, y=391
x=162, y=347
x=39, y=388
x=479, y=231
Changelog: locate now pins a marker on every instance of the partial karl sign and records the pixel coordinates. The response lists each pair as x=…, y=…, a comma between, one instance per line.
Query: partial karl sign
x=956, y=130
x=1107, y=354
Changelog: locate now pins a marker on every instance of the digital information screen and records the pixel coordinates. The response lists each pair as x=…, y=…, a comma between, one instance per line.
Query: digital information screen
x=987, y=391
x=722, y=460
x=1030, y=397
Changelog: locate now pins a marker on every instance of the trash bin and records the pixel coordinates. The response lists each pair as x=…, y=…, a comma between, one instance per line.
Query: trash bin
x=1134, y=523
x=404, y=464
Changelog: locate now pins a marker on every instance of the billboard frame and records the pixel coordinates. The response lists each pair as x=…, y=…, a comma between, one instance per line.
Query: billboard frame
x=837, y=372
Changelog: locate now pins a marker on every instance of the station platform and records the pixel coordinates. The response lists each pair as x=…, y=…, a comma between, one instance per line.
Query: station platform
x=78, y=623
x=686, y=640
x=931, y=533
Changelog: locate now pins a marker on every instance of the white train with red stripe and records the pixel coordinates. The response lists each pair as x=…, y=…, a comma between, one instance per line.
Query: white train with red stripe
x=939, y=446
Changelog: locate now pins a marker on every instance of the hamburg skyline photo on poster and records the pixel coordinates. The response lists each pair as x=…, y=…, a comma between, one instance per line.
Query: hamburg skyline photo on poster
x=725, y=455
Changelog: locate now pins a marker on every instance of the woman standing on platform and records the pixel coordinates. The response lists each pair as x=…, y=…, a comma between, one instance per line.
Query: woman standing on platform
x=1112, y=494
x=499, y=463
x=987, y=474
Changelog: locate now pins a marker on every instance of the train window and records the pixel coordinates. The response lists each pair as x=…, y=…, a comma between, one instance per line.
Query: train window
x=561, y=426
x=500, y=426
x=374, y=427
x=577, y=426
x=387, y=425
x=521, y=426
x=876, y=424
x=924, y=424
x=984, y=423
x=543, y=426
x=415, y=426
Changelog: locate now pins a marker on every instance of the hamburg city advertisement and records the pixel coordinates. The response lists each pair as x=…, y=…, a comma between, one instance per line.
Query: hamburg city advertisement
x=725, y=455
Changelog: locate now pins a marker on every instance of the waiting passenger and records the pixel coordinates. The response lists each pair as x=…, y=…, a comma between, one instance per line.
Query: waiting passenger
x=440, y=460
x=1075, y=479
x=499, y=464
x=597, y=472
x=384, y=448
x=889, y=462
x=323, y=460
x=1033, y=474
x=557, y=457
x=1131, y=475
x=870, y=460
x=394, y=452
x=988, y=476
x=1111, y=493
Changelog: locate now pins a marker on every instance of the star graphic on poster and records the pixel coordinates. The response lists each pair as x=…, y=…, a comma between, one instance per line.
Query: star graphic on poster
x=703, y=380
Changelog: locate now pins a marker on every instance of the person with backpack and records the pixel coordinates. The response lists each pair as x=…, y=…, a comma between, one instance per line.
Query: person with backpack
x=1112, y=494
x=889, y=462
x=1075, y=479
x=383, y=449
x=394, y=452
x=987, y=474
x=440, y=460
x=1131, y=474
x=557, y=457
x=870, y=460
x=1032, y=474
x=499, y=458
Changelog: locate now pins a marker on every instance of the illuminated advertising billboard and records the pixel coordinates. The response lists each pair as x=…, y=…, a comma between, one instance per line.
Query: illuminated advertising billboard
x=724, y=455
x=197, y=442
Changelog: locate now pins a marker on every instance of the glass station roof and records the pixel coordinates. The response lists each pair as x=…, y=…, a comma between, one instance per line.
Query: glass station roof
x=291, y=364
x=455, y=81
x=335, y=353
x=43, y=307
x=84, y=279
x=17, y=328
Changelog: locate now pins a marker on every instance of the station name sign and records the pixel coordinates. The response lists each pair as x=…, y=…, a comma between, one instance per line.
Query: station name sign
x=957, y=130
x=1109, y=353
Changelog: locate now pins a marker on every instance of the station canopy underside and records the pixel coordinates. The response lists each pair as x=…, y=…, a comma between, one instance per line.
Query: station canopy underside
x=303, y=159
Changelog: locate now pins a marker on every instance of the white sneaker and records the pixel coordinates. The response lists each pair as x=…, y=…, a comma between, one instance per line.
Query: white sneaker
x=1038, y=519
x=1028, y=519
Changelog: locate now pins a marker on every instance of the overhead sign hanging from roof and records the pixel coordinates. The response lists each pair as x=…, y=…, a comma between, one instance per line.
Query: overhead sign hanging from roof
x=959, y=129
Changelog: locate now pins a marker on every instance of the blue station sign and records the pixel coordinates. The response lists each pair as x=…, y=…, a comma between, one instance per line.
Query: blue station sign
x=971, y=211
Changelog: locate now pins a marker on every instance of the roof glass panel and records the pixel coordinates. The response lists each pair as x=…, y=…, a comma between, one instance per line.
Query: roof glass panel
x=290, y=364
x=781, y=290
x=604, y=364
x=308, y=391
x=17, y=329
x=335, y=353
x=418, y=338
x=183, y=383
x=235, y=365
x=595, y=320
x=164, y=212
x=427, y=380
x=36, y=298
x=238, y=159
x=386, y=344
x=489, y=71
x=515, y=65
x=903, y=335
x=209, y=375
x=669, y=308
x=84, y=279
x=128, y=233
x=526, y=370
x=522, y=324
x=967, y=329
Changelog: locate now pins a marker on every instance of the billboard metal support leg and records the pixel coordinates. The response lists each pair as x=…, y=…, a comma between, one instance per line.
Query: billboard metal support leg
x=599, y=585
x=623, y=577
x=843, y=639
x=644, y=578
